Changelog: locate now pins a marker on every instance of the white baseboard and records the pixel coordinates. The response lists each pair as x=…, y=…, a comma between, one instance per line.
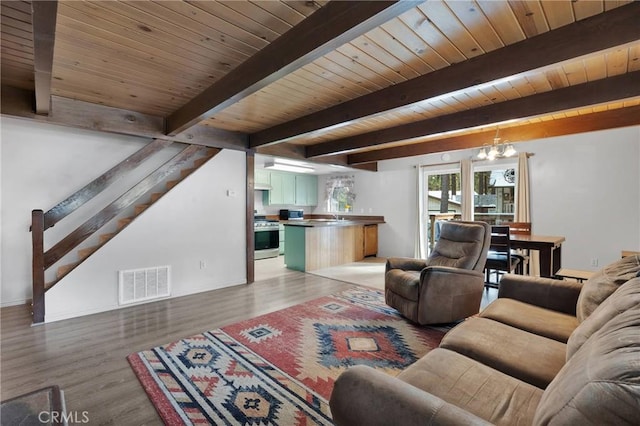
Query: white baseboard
x=15, y=303
x=59, y=316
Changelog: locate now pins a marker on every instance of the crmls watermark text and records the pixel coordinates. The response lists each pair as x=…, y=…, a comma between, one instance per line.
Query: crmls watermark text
x=72, y=417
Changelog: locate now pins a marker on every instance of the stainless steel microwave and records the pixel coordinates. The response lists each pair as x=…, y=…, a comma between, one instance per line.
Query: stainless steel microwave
x=286, y=214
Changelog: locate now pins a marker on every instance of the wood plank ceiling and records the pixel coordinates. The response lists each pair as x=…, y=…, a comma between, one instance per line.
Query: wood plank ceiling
x=410, y=78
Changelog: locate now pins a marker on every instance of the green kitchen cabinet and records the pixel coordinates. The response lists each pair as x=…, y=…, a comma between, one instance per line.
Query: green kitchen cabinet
x=262, y=177
x=283, y=188
x=306, y=190
x=288, y=188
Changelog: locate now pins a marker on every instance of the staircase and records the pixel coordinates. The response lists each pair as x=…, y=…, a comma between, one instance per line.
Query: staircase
x=176, y=169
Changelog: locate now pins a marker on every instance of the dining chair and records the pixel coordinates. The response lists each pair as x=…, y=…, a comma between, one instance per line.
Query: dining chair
x=521, y=228
x=500, y=257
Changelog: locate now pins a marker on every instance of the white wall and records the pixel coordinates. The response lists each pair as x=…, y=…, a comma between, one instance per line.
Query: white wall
x=41, y=164
x=585, y=187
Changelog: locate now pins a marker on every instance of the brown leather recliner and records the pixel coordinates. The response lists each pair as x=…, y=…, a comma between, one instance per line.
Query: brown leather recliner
x=448, y=285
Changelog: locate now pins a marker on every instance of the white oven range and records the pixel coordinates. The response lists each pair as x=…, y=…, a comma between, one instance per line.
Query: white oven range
x=267, y=237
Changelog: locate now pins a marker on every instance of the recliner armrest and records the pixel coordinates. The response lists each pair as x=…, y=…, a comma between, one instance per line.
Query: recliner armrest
x=557, y=295
x=365, y=396
x=405, y=263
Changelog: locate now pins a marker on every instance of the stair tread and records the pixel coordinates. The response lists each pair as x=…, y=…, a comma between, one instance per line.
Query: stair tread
x=200, y=161
x=124, y=222
x=187, y=172
x=86, y=252
x=140, y=208
x=106, y=237
x=65, y=269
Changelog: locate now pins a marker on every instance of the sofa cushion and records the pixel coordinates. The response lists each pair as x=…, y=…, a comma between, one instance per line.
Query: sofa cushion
x=474, y=387
x=363, y=396
x=604, y=282
x=600, y=384
x=518, y=353
x=403, y=283
x=543, y=322
x=625, y=298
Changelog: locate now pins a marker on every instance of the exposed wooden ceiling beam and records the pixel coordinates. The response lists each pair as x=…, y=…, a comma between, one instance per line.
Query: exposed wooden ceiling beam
x=623, y=86
x=610, y=119
x=332, y=25
x=594, y=34
x=85, y=115
x=44, y=15
x=285, y=150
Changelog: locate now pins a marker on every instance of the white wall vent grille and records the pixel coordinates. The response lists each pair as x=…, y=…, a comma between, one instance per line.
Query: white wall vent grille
x=138, y=285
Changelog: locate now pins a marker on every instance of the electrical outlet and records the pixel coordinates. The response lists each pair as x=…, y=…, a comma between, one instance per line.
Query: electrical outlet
x=594, y=262
x=203, y=264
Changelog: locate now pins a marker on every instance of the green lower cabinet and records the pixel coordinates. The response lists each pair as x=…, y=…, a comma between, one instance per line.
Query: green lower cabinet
x=281, y=232
x=294, y=250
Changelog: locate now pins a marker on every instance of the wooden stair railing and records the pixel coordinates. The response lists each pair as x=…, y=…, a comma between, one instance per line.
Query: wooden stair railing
x=68, y=206
x=37, y=242
x=44, y=260
x=87, y=229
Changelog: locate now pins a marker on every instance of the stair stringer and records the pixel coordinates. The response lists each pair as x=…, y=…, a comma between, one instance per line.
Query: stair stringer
x=195, y=222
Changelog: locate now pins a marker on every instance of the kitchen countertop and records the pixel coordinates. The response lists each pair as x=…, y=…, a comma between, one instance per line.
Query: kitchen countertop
x=315, y=223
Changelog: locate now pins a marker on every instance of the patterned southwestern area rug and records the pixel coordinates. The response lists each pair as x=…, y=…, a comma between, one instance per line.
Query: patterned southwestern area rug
x=279, y=368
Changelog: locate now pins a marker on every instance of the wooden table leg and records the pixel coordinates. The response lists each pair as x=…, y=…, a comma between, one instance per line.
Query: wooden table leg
x=557, y=259
x=545, y=262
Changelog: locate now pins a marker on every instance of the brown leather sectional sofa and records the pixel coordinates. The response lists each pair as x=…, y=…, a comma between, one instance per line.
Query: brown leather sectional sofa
x=545, y=352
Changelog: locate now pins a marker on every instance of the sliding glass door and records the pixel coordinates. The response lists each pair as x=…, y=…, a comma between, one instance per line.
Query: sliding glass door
x=442, y=200
x=441, y=197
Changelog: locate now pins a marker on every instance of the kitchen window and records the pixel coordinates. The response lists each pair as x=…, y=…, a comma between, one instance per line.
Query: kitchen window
x=340, y=195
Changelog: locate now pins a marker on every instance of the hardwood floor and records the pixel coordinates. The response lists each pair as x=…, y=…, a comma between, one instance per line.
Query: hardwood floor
x=86, y=356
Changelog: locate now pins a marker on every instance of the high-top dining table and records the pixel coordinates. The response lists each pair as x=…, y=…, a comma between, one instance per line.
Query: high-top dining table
x=550, y=249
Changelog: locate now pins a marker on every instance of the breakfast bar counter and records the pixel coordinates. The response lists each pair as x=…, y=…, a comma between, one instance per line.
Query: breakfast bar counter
x=313, y=244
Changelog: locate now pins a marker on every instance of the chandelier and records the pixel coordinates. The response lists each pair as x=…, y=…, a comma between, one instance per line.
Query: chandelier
x=497, y=150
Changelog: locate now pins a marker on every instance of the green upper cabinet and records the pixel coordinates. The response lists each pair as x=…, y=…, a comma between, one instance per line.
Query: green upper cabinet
x=283, y=188
x=262, y=176
x=306, y=190
x=288, y=188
